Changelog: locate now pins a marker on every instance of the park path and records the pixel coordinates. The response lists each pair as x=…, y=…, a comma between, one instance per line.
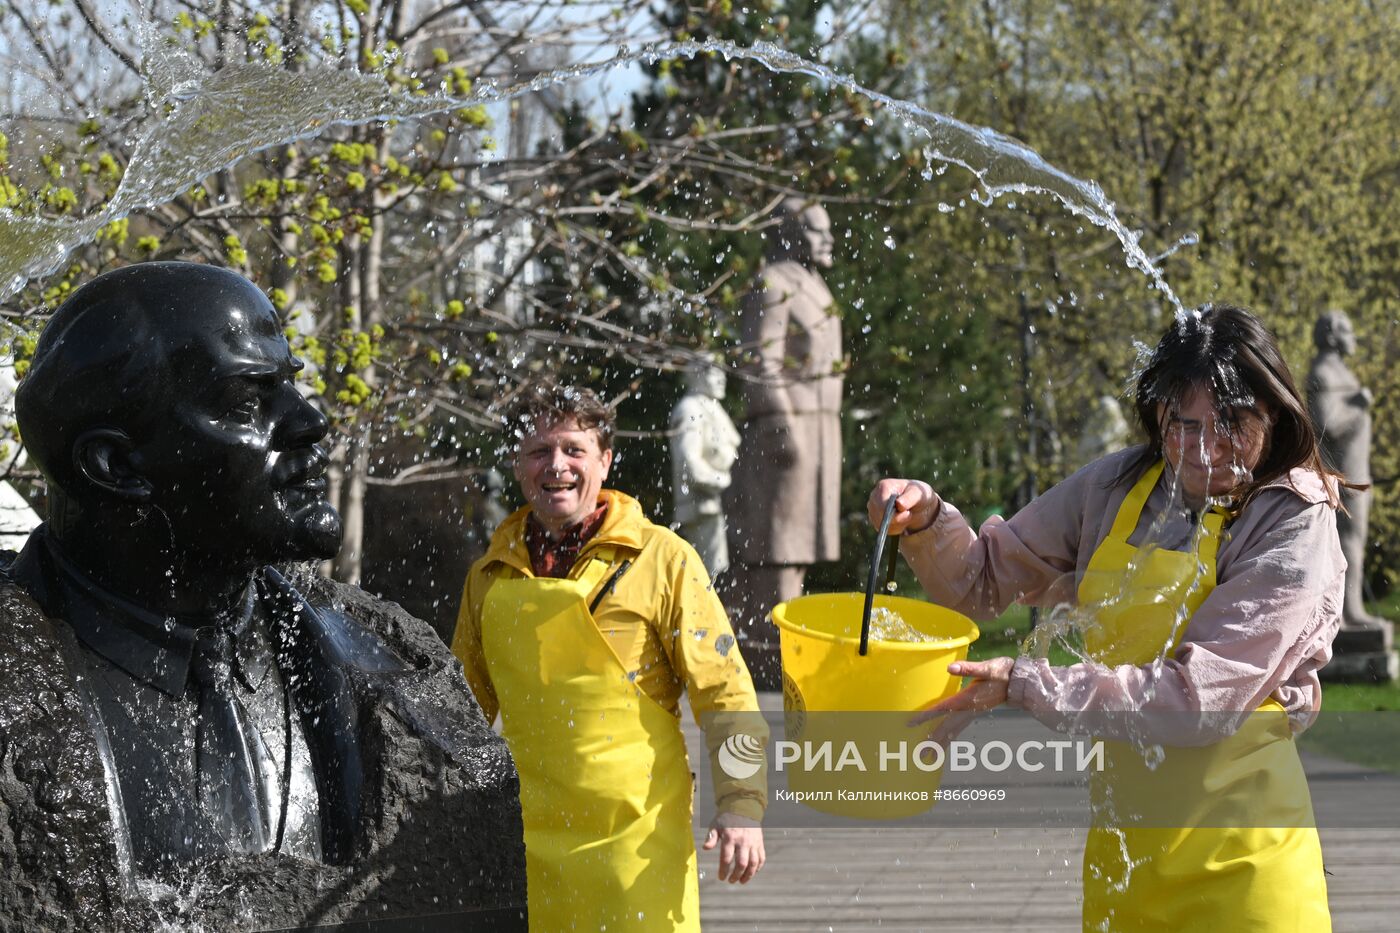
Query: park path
x=977, y=879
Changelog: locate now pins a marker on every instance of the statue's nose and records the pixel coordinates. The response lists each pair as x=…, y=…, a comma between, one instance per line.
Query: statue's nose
x=301, y=423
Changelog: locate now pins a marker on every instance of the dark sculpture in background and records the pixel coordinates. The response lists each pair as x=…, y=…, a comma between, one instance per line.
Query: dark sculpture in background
x=784, y=504
x=176, y=705
x=1341, y=411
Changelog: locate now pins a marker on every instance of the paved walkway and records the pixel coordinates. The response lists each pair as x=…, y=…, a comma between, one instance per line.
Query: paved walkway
x=991, y=880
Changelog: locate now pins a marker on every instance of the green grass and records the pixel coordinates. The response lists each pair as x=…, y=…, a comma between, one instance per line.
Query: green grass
x=1004, y=637
x=1369, y=739
x=1355, y=697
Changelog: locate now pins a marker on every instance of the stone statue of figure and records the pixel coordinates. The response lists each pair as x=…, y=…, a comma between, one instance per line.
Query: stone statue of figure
x=784, y=505
x=17, y=518
x=1341, y=411
x=1105, y=431
x=704, y=445
x=175, y=698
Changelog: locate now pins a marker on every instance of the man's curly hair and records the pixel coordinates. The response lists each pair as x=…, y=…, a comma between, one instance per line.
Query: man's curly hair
x=544, y=405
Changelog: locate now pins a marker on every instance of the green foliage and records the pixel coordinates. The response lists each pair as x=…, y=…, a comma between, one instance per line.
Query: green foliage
x=1267, y=130
x=298, y=219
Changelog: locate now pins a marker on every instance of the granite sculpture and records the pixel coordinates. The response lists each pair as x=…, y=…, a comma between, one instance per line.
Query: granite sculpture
x=193, y=731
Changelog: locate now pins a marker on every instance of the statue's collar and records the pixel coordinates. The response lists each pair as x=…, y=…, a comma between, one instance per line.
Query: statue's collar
x=151, y=647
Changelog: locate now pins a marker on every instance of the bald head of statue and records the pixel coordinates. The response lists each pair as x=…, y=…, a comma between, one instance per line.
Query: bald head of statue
x=1333, y=331
x=161, y=406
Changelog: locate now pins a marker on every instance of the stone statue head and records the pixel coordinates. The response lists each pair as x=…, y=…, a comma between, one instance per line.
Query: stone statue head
x=704, y=377
x=1333, y=331
x=802, y=234
x=161, y=395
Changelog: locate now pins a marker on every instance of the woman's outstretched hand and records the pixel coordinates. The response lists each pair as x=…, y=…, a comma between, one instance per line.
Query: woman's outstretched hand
x=918, y=504
x=987, y=691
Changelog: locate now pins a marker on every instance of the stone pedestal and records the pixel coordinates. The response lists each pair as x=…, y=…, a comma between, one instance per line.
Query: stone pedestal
x=762, y=653
x=440, y=834
x=750, y=592
x=1363, y=656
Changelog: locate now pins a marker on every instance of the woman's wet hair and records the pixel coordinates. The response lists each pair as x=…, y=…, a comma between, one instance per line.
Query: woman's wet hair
x=544, y=405
x=1227, y=351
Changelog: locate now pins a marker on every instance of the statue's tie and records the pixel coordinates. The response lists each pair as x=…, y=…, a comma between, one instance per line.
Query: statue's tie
x=226, y=748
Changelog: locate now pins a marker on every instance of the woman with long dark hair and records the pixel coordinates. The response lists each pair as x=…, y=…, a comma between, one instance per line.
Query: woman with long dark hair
x=1204, y=571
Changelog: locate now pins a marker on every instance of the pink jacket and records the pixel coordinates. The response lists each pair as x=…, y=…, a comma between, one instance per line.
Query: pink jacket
x=1264, y=631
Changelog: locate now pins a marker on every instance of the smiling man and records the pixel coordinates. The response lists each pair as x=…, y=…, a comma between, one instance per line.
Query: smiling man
x=192, y=704
x=583, y=624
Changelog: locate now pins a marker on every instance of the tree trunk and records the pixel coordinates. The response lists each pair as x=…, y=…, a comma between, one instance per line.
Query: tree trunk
x=368, y=315
x=350, y=502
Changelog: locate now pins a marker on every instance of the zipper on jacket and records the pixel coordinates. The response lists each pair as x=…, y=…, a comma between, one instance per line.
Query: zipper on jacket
x=609, y=586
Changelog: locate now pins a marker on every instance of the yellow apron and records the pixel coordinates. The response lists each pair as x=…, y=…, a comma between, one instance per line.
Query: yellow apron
x=1221, y=871
x=605, y=786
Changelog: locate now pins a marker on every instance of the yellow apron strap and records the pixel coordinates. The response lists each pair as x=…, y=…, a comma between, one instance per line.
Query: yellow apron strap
x=1213, y=521
x=1128, y=513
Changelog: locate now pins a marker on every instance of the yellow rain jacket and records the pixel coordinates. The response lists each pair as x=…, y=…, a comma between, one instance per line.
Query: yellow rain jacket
x=587, y=673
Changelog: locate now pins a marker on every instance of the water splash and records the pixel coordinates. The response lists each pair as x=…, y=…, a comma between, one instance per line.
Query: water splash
x=1071, y=626
x=889, y=626
x=206, y=121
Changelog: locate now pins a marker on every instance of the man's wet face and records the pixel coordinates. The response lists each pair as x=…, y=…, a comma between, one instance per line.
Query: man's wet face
x=234, y=461
x=561, y=468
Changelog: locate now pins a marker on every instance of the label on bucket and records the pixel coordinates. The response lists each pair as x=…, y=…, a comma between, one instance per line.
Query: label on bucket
x=793, y=704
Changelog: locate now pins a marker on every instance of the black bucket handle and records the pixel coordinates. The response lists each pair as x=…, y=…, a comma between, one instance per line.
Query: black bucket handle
x=880, y=539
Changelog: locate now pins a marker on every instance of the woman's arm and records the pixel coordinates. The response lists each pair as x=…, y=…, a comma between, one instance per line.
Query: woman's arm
x=1277, y=600
x=1030, y=557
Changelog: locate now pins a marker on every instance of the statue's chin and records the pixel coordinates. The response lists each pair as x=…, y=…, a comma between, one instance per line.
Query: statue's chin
x=318, y=533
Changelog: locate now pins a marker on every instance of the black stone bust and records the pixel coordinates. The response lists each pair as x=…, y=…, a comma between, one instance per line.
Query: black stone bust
x=177, y=704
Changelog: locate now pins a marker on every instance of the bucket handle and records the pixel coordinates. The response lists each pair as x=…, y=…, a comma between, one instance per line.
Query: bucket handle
x=880, y=539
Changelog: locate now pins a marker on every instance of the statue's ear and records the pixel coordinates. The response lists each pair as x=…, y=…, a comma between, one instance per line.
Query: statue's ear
x=102, y=456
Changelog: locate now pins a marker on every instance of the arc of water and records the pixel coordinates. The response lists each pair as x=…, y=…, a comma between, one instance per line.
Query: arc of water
x=213, y=123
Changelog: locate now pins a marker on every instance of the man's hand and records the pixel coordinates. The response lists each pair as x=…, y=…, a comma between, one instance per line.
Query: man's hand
x=740, y=842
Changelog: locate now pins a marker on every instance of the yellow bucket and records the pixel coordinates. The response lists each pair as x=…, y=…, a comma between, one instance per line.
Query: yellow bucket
x=856, y=706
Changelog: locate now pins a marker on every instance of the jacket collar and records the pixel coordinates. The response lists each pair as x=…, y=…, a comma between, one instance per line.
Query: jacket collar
x=622, y=527
x=1313, y=488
